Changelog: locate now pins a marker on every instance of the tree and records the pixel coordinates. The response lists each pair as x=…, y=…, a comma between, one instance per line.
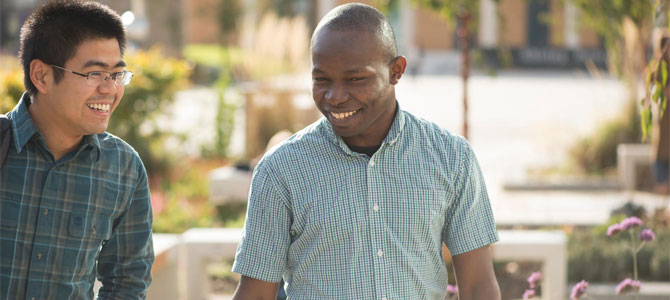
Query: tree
x=656, y=80
x=625, y=26
x=465, y=14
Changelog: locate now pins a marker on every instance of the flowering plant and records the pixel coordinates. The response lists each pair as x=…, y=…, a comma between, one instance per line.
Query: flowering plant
x=638, y=238
x=452, y=291
x=534, y=281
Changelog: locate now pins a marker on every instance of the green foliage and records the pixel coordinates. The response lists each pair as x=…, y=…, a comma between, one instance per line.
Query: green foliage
x=656, y=81
x=181, y=201
x=608, y=18
x=239, y=65
x=595, y=257
x=11, y=83
x=449, y=9
x=157, y=79
x=225, y=119
x=596, y=154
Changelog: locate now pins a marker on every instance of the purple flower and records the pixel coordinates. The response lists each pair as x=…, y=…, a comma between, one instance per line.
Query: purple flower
x=614, y=229
x=528, y=294
x=630, y=223
x=646, y=235
x=628, y=285
x=534, y=279
x=579, y=290
x=452, y=290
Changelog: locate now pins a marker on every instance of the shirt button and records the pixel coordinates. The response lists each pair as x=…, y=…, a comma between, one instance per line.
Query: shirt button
x=384, y=298
x=372, y=163
x=46, y=211
x=380, y=252
x=376, y=207
x=39, y=256
x=33, y=298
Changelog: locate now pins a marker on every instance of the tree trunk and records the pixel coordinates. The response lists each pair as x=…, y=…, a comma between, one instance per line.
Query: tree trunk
x=464, y=38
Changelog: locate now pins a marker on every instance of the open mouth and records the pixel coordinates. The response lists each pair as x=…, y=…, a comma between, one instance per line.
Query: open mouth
x=102, y=108
x=343, y=116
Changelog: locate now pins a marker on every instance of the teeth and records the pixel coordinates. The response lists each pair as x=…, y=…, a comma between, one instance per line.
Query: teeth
x=342, y=115
x=101, y=107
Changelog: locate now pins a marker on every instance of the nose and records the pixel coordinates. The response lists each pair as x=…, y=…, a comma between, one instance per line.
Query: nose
x=107, y=87
x=336, y=95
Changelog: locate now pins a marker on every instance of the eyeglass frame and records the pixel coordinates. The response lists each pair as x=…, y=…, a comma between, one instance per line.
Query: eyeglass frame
x=105, y=79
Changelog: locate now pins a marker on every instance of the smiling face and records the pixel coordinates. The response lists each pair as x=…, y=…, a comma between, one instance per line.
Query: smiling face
x=353, y=84
x=72, y=105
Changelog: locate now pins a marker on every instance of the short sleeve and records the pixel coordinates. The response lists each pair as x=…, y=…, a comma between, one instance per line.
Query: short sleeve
x=263, y=250
x=469, y=222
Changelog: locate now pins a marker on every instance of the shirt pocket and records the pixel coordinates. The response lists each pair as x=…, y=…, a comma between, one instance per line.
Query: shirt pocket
x=86, y=235
x=9, y=218
x=9, y=213
x=416, y=217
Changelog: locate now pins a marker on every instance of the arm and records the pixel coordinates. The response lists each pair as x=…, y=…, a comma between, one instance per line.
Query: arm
x=254, y=289
x=474, y=275
x=124, y=264
x=261, y=255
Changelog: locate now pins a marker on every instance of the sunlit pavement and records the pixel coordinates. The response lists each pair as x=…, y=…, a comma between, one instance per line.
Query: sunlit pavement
x=526, y=120
x=518, y=120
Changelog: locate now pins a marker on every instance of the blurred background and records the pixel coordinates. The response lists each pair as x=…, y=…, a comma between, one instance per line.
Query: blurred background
x=562, y=100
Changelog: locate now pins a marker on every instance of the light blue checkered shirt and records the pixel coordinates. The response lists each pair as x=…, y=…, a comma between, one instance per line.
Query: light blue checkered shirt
x=336, y=224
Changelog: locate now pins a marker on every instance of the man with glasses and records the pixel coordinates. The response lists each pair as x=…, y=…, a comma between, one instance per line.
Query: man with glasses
x=74, y=200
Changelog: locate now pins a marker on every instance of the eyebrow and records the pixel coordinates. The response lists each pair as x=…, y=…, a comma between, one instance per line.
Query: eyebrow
x=350, y=71
x=98, y=63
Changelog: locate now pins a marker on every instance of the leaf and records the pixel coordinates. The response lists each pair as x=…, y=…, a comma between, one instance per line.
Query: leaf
x=657, y=94
x=645, y=119
x=664, y=72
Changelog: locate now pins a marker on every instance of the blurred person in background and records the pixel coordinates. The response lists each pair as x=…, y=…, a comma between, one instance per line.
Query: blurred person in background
x=74, y=200
x=358, y=204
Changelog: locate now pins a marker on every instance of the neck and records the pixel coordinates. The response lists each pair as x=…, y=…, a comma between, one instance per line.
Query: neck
x=57, y=140
x=376, y=136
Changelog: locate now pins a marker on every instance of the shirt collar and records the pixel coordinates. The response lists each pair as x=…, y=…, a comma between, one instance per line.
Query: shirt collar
x=391, y=137
x=23, y=129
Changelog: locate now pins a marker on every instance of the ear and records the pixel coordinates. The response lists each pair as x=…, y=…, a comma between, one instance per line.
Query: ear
x=39, y=72
x=397, y=68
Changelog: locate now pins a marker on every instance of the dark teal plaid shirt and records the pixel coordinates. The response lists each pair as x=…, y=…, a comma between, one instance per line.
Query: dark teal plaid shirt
x=58, y=218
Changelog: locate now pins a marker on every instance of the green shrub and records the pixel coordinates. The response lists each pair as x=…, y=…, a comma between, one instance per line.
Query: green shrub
x=11, y=83
x=597, y=154
x=157, y=79
x=181, y=201
x=595, y=257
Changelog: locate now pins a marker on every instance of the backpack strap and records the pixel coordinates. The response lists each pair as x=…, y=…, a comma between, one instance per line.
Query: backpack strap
x=5, y=137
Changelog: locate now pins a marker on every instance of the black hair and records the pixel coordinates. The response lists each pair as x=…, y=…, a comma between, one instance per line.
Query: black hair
x=53, y=32
x=357, y=16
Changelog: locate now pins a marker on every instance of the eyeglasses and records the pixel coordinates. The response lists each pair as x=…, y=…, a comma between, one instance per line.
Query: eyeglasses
x=97, y=78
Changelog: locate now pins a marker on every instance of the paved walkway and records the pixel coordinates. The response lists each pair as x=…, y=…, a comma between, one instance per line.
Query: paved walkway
x=525, y=120
x=519, y=120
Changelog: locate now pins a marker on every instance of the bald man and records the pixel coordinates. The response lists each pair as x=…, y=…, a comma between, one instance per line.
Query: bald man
x=358, y=204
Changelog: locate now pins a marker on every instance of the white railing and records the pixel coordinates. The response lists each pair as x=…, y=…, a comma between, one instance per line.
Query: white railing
x=181, y=260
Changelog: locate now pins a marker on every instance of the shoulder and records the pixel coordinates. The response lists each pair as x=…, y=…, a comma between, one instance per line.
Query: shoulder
x=115, y=150
x=429, y=132
x=298, y=146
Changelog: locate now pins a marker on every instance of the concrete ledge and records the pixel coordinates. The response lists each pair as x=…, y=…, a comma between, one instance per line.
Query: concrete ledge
x=547, y=247
x=184, y=276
